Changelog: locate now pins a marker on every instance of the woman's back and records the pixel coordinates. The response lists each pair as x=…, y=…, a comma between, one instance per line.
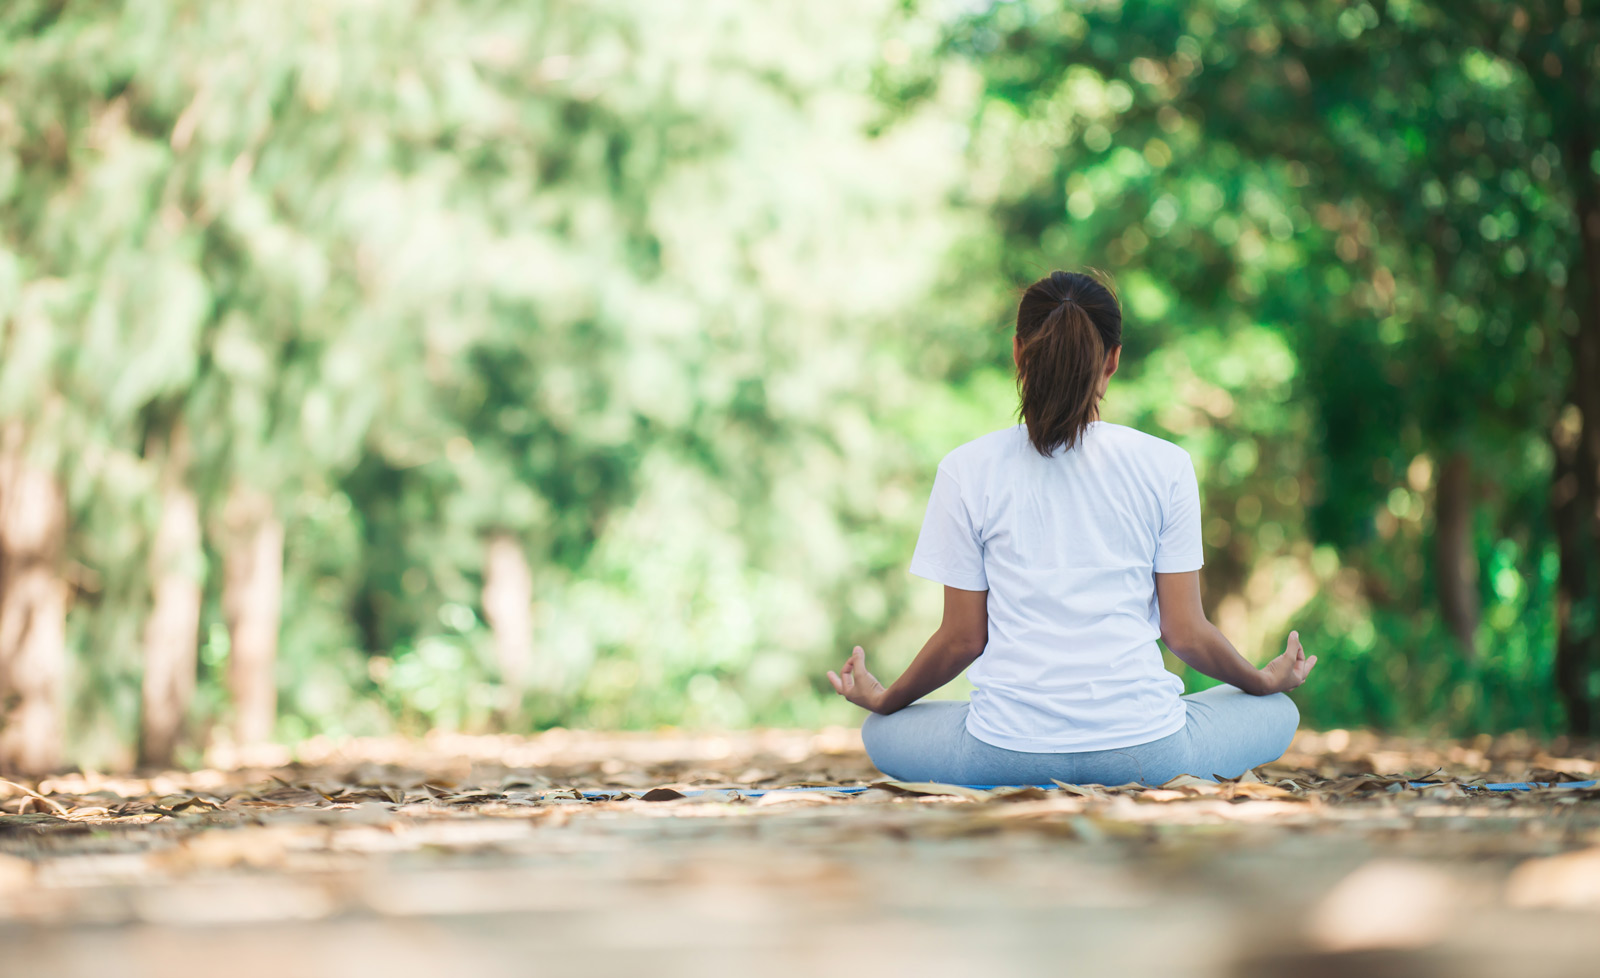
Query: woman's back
x=1066, y=546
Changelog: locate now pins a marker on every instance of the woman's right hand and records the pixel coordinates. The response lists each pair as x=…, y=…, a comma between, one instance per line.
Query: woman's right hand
x=856, y=684
x=1288, y=670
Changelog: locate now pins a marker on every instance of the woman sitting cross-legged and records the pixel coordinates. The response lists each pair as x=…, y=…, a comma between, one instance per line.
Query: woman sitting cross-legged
x=1067, y=546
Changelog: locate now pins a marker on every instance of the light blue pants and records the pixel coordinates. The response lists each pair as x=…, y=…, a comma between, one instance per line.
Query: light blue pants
x=1228, y=733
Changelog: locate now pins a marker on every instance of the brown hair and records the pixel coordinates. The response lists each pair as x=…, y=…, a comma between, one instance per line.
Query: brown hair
x=1067, y=323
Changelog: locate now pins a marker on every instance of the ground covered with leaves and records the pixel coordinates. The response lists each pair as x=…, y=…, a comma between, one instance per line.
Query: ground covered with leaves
x=658, y=853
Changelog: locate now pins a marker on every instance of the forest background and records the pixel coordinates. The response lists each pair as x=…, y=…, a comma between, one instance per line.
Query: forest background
x=484, y=365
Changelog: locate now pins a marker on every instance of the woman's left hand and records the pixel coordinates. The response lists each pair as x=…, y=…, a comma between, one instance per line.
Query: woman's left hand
x=856, y=684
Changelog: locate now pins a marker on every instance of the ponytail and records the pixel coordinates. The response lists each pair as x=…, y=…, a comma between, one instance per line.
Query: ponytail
x=1067, y=324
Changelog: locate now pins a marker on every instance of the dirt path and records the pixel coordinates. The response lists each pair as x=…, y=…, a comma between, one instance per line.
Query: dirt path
x=463, y=855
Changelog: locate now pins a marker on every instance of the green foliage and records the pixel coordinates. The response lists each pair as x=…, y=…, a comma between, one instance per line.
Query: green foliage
x=690, y=299
x=423, y=272
x=1380, y=199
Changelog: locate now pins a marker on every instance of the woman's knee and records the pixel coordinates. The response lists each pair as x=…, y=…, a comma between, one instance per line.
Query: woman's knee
x=1288, y=713
x=1232, y=731
x=883, y=742
x=916, y=742
x=872, y=732
x=1285, y=718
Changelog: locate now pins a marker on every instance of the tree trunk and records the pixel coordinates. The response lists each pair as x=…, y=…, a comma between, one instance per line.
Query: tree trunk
x=252, y=600
x=33, y=610
x=1575, y=491
x=1575, y=654
x=508, y=608
x=172, y=632
x=1455, y=563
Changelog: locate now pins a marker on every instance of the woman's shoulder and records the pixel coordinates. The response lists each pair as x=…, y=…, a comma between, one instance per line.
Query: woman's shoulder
x=985, y=448
x=1138, y=440
x=987, y=452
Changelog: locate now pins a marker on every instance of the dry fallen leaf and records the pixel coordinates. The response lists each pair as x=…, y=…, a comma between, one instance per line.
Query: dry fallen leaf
x=1549, y=776
x=1256, y=789
x=1190, y=786
x=935, y=789
x=1024, y=793
x=35, y=797
x=1082, y=790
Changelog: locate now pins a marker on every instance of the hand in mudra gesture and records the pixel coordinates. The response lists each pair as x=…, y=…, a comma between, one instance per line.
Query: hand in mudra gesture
x=1289, y=669
x=856, y=684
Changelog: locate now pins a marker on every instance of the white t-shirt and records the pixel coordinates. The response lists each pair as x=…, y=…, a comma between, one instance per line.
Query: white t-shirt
x=1067, y=548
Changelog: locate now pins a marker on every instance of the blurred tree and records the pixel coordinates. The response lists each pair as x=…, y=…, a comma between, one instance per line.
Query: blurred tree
x=1453, y=550
x=508, y=608
x=33, y=608
x=172, y=628
x=252, y=601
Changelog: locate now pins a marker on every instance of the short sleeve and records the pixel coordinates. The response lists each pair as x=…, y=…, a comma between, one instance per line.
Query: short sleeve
x=948, y=549
x=1178, y=547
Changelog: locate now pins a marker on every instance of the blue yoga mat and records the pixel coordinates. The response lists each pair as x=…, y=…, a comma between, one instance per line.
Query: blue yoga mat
x=758, y=792
x=1529, y=785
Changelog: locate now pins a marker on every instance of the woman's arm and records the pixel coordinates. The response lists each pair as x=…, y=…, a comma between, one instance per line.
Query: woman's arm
x=1192, y=638
x=962, y=634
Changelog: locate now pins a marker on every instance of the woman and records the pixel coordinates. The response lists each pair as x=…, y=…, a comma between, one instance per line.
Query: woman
x=1067, y=546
